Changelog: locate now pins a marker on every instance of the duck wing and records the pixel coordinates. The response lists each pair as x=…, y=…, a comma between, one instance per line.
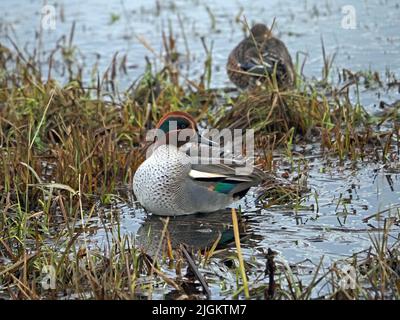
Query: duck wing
x=234, y=179
x=220, y=170
x=269, y=57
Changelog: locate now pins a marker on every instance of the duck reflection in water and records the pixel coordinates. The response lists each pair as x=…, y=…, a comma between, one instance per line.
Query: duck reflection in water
x=196, y=232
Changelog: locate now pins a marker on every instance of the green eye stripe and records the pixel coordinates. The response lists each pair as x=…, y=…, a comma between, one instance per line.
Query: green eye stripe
x=169, y=124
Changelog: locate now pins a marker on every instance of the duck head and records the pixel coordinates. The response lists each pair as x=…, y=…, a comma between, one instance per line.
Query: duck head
x=259, y=30
x=179, y=128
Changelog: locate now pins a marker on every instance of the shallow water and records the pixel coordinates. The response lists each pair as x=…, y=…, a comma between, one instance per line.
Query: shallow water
x=373, y=44
x=329, y=225
x=344, y=194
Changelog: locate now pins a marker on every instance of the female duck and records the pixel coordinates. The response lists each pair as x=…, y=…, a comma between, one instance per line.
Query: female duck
x=258, y=57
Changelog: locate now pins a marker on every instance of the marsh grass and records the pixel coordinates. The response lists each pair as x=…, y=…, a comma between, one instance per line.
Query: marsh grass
x=67, y=148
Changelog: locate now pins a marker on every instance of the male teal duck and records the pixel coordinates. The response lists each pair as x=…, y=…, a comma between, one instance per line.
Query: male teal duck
x=170, y=183
x=258, y=57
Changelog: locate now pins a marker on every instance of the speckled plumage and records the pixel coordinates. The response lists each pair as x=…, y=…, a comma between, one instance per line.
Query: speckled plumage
x=260, y=54
x=162, y=185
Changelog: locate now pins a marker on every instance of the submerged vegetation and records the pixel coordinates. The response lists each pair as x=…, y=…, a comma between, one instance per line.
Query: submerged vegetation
x=68, y=150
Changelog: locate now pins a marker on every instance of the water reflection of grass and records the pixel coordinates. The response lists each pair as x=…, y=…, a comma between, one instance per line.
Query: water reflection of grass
x=67, y=148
